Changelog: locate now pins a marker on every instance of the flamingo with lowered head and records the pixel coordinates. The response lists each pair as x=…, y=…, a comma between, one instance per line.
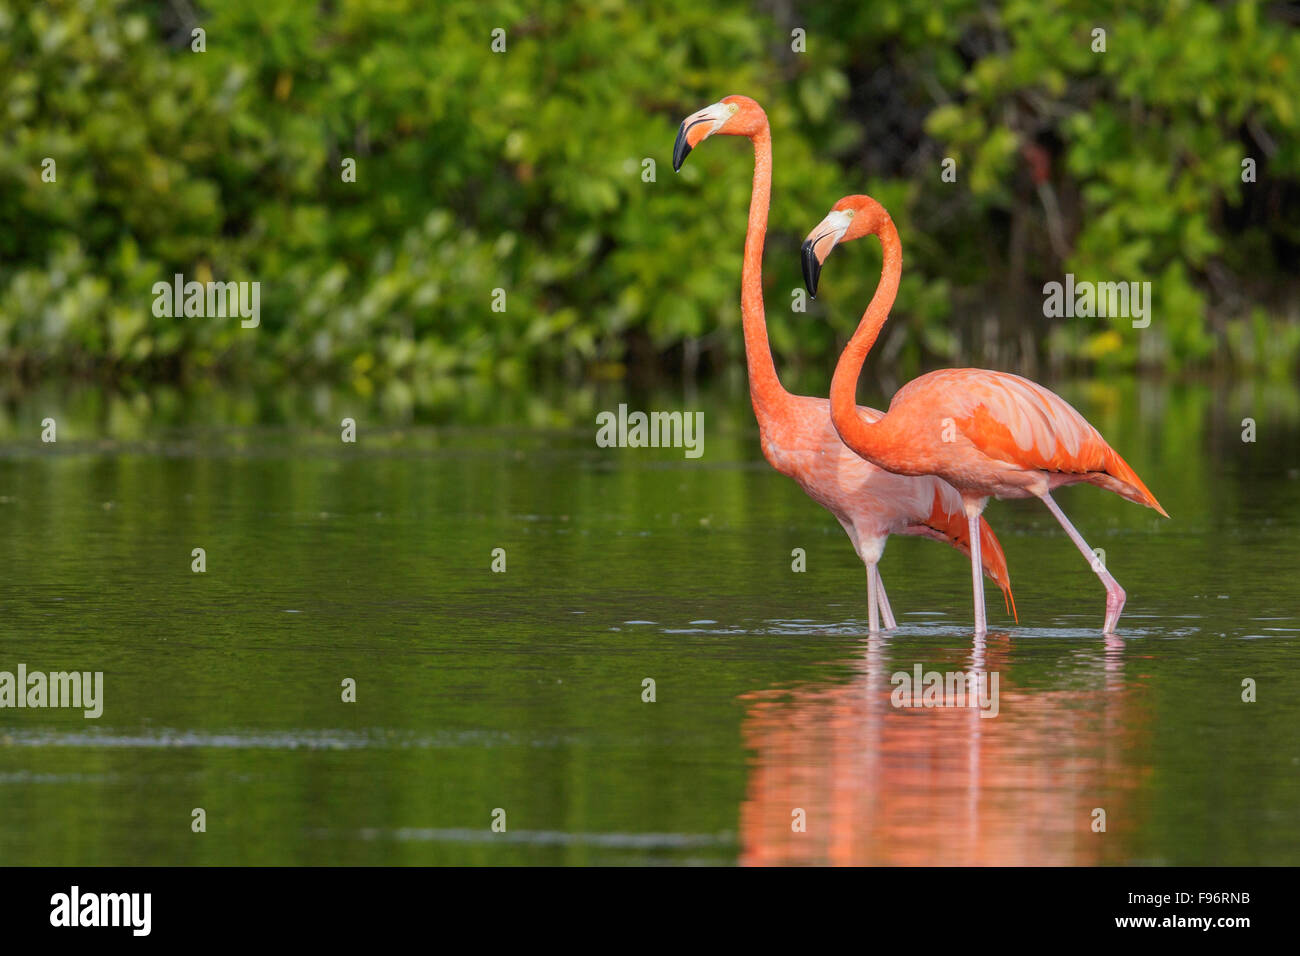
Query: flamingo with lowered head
x=798, y=438
x=988, y=434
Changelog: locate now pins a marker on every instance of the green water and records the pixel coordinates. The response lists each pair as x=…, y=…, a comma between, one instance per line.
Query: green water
x=523, y=690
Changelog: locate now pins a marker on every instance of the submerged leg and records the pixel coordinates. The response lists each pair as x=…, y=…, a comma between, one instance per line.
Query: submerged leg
x=873, y=600
x=976, y=567
x=886, y=613
x=1115, y=595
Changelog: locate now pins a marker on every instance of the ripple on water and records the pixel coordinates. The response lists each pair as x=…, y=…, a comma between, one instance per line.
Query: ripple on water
x=637, y=841
x=271, y=740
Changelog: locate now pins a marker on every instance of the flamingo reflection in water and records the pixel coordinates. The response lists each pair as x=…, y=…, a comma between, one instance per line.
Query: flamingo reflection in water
x=879, y=784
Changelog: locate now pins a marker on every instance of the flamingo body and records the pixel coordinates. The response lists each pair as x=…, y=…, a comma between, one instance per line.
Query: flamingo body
x=1008, y=438
x=869, y=502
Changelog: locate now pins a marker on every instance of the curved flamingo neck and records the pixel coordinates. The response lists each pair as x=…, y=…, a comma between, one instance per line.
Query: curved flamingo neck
x=854, y=430
x=765, y=389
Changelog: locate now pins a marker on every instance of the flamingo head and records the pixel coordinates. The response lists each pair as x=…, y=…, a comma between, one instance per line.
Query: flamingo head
x=851, y=218
x=731, y=116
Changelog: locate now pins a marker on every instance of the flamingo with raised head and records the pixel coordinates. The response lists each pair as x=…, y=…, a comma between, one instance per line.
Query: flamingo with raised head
x=798, y=438
x=988, y=434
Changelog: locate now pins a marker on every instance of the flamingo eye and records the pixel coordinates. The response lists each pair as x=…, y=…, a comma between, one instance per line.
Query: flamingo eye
x=848, y=213
x=733, y=107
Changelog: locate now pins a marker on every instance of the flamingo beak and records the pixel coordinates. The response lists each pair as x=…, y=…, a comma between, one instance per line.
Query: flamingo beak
x=819, y=244
x=695, y=128
x=683, y=147
x=812, y=267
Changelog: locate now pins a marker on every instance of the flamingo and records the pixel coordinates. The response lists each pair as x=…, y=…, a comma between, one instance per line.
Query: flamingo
x=988, y=434
x=798, y=437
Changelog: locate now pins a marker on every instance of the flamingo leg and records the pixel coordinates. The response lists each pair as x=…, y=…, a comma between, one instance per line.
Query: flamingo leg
x=976, y=569
x=873, y=600
x=886, y=613
x=1115, y=596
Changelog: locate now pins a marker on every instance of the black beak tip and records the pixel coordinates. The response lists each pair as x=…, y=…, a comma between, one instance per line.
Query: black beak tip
x=812, y=269
x=681, y=149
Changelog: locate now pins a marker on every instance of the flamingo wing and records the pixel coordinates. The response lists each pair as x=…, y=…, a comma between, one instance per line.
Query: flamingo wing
x=1014, y=420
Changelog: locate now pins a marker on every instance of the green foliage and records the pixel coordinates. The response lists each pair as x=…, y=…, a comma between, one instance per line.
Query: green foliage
x=523, y=171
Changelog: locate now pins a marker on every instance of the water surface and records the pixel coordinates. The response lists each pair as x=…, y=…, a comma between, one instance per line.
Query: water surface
x=523, y=690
